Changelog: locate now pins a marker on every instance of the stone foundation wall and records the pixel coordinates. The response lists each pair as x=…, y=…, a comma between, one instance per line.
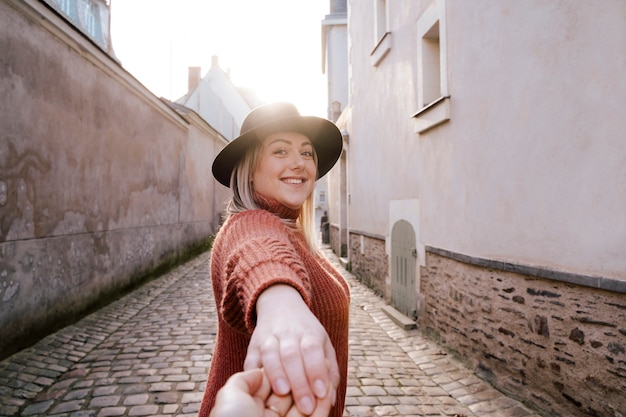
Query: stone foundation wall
x=561, y=346
x=335, y=239
x=369, y=262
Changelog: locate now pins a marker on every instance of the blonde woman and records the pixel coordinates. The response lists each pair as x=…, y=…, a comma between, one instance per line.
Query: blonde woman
x=282, y=306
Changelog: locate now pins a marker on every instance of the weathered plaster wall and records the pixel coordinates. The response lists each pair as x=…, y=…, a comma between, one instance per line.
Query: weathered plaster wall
x=559, y=345
x=100, y=181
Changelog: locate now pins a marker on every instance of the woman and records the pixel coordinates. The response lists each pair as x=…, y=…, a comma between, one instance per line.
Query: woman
x=282, y=306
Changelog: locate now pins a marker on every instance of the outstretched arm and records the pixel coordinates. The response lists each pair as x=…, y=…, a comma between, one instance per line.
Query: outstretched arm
x=294, y=349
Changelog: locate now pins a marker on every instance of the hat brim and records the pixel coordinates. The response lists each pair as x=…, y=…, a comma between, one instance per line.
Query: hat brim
x=324, y=135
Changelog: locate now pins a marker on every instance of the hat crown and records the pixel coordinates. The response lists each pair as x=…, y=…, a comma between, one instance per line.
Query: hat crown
x=266, y=114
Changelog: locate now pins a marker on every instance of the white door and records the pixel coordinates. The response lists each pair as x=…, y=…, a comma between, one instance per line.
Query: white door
x=403, y=267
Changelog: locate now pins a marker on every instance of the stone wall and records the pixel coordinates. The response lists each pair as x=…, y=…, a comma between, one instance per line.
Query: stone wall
x=101, y=182
x=369, y=262
x=559, y=345
x=335, y=239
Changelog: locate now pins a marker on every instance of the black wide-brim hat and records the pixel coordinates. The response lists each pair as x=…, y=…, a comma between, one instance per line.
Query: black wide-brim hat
x=280, y=117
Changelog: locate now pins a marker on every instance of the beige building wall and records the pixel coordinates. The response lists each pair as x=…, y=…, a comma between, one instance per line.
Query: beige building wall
x=532, y=160
x=496, y=130
x=101, y=183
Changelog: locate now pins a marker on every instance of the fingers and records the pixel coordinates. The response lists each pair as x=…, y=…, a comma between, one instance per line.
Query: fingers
x=299, y=367
x=243, y=394
x=286, y=365
x=322, y=406
x=317, y=360
x=253, y=359
x=279, y=404
x=269, y=357
x=248, y=393
x=310, y=368
x=332, y=365
x=250, y=382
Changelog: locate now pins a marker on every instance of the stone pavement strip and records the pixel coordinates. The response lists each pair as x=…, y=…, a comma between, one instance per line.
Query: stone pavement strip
x=148, y=354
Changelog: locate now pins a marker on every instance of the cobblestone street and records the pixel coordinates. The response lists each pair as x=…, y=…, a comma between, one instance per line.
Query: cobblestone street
x=148, y=354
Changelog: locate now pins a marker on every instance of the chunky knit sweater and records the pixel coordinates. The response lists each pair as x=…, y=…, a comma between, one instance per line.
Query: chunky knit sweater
x=252, y=251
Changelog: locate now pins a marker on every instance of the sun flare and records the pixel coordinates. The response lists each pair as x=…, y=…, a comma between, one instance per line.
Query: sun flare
x=272, y=47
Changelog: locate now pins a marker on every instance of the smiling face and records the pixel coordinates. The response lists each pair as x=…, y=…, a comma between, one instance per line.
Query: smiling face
x=287, y=169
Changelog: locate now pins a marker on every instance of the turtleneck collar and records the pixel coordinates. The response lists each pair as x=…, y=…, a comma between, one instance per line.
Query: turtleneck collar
x=273, y=206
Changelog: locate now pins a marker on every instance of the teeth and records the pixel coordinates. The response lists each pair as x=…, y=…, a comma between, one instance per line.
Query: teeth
x=293, y=181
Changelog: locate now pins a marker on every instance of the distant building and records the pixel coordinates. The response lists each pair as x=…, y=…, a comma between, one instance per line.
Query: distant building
x=217, y=100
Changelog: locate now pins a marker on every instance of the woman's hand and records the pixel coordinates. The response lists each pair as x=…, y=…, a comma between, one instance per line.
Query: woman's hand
x=294, y=350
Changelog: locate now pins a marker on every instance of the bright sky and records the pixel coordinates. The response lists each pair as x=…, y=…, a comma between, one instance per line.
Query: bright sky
x=272, y=46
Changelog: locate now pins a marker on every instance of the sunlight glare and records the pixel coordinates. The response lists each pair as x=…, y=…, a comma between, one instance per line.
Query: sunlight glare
x=273, y=46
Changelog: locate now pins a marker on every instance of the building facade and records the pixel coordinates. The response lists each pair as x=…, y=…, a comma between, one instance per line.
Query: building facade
x=217, y=100
x=484, y=186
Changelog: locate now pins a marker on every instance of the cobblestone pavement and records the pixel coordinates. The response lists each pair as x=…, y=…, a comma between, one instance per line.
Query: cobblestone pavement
x=148, y=354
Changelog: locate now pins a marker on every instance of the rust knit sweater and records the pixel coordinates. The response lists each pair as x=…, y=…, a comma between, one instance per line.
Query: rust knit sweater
x=252, y=251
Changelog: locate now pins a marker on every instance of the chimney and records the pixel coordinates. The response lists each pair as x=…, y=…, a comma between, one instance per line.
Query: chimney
x=214, y=61
x=194, y=78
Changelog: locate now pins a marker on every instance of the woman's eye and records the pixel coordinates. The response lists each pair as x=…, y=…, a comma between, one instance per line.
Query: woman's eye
x=308, y=154
x=280, y=152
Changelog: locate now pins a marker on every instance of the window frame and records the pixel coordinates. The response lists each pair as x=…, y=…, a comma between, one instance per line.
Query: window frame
x=433, y=97
x=382, y=32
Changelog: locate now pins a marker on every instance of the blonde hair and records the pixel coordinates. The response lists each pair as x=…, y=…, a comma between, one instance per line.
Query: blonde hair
x=243, y=195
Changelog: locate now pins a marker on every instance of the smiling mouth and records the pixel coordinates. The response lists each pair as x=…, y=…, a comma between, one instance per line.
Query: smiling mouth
x=293, y=180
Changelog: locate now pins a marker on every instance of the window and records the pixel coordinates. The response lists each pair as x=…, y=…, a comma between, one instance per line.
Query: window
x=68, y=8
x=89, y=18
x=433, y=99
x=382, y=32
x=65, y=6
x=381, y=19
x=431, y=66
x=85, y=15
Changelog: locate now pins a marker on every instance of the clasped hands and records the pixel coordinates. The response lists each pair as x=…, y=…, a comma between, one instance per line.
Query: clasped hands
x=294, y=351
x=249, y=394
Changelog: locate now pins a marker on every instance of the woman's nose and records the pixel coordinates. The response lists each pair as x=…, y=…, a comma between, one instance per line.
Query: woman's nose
x=298, y=160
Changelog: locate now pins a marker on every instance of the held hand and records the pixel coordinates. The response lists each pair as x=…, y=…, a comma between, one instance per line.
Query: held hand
x=293, y=348
x=244, y=393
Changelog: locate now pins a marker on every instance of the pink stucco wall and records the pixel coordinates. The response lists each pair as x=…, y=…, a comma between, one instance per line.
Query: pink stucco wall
x=101, y=182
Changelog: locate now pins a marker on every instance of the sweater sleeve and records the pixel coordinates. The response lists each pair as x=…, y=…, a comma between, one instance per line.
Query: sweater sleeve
x=258, y=254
